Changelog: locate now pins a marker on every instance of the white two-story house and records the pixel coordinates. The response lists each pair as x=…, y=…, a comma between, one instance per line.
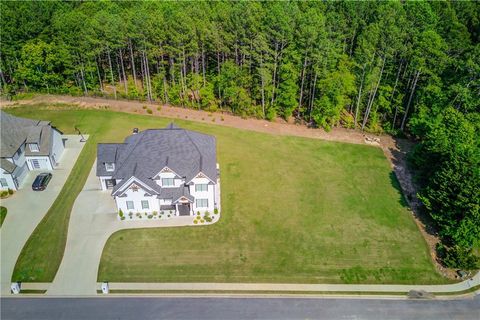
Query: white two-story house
x=26, y=145
x=170, y=170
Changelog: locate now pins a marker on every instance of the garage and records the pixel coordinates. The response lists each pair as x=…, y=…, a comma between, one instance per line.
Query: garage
x=39, y=163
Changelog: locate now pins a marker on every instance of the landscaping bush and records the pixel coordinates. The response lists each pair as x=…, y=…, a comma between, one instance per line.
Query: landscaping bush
x=10, y=191
x=207, y=217
x=4, y=193
x=149, y=111
x=120, y=214
x=215, y=211
x=195, y=221
x=159, y=108
x=144, y=107
x=150, y=216
x=458, y=257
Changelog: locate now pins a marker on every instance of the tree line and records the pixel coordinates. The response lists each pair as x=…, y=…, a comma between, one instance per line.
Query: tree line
x=398, y=67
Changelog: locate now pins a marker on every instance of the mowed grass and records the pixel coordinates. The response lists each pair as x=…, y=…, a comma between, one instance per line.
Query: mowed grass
x=293, y=210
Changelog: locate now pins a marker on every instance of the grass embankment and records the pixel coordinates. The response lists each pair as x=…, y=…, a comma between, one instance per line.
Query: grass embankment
x=294, y=210
x=3, y=214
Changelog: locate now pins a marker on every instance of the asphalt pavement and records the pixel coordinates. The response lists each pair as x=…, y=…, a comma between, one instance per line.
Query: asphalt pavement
x=227, y=308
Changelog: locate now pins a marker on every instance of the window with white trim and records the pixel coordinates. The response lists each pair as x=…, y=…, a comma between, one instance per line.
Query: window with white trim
x=3, y=182
x=130, y=205
x=201, y=187
x=145, y=204
x=33, y=147
x=168, y=182
x=201, y=203
x=109, y=166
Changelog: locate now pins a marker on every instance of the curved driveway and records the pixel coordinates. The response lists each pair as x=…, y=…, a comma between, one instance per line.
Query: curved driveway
x=92, y=222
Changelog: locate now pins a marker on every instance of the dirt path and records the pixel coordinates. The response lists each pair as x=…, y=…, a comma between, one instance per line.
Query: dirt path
x=394, y=149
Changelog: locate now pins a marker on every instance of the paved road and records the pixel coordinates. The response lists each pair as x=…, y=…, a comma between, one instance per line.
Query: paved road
x=27, y=208
x=237, y=308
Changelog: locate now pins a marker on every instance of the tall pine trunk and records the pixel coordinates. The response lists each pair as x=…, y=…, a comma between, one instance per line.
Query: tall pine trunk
x=359, y=97
x=123, y=73
x=132, y=59
x=402, y=126
x=111, y=73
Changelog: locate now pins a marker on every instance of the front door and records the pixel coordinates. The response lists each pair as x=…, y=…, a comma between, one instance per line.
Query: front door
x=184, y=209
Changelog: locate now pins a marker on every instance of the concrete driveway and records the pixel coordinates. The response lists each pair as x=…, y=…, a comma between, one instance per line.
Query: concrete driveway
x=92, y=222
x=26, y=208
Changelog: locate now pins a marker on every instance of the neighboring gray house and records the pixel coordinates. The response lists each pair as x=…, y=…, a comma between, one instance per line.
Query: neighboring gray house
x=169, y=170
x=25, y=145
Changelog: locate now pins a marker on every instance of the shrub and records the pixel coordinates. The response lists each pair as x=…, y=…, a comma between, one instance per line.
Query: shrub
x=215, y=211
x=122, y=218
x=10, y=191
x=120, y=214
x=149, y=111
x=144, y=107
x=155, y=213
x=195, y=221
x=458, y=257
x=222, y=118
x=159, y=108
x=198, y=213
x=139, y=214
x=3, y=194
x=202, y=221
x=168, y=216
x=207, y=217
x=150, y=216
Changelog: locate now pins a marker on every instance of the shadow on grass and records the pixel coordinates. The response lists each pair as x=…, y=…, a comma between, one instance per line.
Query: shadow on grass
x=403, y=181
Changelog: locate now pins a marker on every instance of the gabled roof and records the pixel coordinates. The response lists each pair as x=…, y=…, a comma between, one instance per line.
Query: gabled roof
x=15, y=131
x=7, y=165
x=144, y=154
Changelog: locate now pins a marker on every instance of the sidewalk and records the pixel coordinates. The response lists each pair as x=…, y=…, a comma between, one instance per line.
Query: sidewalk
x=456, y=287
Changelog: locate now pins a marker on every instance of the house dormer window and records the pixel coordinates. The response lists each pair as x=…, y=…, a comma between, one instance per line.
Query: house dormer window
x=33, y=147
x=168, y=182
x=109, y=166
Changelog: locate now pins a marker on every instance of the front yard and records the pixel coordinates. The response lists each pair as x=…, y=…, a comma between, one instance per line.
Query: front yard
x=293, y=210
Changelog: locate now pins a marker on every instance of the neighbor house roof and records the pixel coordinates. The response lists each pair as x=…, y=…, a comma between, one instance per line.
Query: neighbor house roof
x=15, y=131
x=143, y=155
x=7, y=165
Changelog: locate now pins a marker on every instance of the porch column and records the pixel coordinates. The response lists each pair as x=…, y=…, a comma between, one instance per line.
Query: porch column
x=176, y=210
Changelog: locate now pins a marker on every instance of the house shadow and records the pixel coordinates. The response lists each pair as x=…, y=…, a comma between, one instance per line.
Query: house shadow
x=402, y=179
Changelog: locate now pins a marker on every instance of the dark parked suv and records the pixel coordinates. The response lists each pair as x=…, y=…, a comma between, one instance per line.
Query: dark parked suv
x=41, y=181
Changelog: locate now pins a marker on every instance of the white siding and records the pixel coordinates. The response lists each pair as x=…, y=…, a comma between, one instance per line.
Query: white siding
x=137, y=197
x=169, y=175
x=8, y=177
x=209, y=195
x=57, y=147
x=44, y=162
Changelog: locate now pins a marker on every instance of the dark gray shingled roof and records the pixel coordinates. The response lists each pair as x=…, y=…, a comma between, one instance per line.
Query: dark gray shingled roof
x=15, y=131
x=143, y=155
x=7, y=165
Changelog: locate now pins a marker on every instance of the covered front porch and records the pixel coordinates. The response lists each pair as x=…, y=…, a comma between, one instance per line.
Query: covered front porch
x=178, y=209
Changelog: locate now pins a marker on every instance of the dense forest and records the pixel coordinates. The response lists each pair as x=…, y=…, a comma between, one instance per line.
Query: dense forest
x=405, y=68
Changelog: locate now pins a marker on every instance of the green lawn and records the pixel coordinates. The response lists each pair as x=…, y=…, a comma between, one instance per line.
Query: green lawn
x=294, y=210
x=3, y=214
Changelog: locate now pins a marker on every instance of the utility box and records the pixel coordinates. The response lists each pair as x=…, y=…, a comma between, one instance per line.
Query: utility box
x=15, y=287
x=105, y=289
